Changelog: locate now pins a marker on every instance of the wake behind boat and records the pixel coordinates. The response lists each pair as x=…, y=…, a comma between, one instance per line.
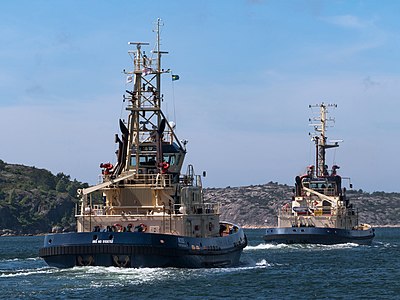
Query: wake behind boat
x=320, y=212
x=149, y=214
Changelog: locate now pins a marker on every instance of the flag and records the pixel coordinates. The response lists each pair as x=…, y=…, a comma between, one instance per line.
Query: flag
x=175, y=77
x=146, y=71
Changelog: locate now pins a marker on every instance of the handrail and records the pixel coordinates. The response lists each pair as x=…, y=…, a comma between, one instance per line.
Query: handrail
x=100, y=210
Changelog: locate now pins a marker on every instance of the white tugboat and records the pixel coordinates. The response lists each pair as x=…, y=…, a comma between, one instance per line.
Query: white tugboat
x=151, y=214
x=320, y=212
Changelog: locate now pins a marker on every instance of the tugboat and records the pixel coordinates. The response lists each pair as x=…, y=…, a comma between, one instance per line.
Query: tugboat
x=320, y=212
x=146, y=213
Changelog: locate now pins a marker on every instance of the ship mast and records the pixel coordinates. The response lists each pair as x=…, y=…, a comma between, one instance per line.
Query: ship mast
x=145, y=119
x=160, y=125
x=320, y=140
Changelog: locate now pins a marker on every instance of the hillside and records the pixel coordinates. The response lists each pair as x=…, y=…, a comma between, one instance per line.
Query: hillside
x=257, y=205
x=35, y=201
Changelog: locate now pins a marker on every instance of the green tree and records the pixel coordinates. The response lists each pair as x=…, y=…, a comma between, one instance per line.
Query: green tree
x=61, y=186
x=2, y=165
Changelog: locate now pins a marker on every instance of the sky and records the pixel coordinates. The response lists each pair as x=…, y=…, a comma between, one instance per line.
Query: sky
x=249, y=69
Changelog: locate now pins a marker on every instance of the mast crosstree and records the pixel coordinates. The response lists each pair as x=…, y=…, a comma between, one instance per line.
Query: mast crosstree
x=147, y=124
x=320, y=138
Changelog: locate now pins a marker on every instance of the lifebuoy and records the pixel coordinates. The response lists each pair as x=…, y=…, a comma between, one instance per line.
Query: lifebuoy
x=118, y=227
x=144, y=227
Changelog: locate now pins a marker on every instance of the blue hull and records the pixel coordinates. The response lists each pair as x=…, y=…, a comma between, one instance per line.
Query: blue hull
x=316, y=235
x=136, y=250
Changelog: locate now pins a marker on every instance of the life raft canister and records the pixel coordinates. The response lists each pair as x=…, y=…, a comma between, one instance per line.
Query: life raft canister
x=106, y=168
x=164, y=167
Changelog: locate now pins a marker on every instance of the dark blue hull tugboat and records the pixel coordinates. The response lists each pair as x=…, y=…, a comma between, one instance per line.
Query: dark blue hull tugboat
x=145, y=213
x=320, y=212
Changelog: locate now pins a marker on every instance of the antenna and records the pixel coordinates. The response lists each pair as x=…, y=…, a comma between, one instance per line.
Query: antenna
x=158, y=44
x=147, y=125
x=319, y=137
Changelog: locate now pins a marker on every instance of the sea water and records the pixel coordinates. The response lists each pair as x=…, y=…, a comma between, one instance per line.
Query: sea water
x=346, y=271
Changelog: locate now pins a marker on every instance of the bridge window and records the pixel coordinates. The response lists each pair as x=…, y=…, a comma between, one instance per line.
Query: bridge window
x=170, y=158
x=150, y=160
x=144, y=160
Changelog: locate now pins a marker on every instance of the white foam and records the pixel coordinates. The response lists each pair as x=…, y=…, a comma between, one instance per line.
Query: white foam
x=384, y=245
x=324, y=247
x=340, y=246
x=263, y=246
x=117, y=276
x=263, y=263
x=266, y=246
x=20, y=259
x=26, y=272
x=10, y=259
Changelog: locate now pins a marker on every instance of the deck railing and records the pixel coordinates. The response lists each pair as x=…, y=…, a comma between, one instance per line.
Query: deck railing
x=178, y=209
x=151, y=180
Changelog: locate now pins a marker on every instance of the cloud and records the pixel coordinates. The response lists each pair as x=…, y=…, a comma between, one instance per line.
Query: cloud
x=260, y=133
x=267, y=138
x=347, y=21
x=350, y=38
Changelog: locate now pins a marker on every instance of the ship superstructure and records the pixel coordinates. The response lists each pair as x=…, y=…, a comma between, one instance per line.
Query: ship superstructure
x=150, y=215
x=320, y=211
